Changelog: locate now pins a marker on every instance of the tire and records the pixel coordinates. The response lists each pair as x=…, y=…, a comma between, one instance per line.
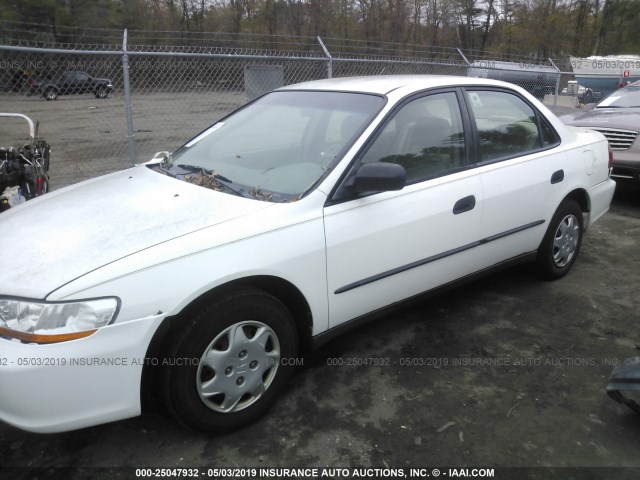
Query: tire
x=101, y=92
x=50, y=94
x=561, y=243
x=231, y=352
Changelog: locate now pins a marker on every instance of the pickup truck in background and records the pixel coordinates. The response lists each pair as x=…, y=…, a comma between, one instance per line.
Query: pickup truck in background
x=71, y=82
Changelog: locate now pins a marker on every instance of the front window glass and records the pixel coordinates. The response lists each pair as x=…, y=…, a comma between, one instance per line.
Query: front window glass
x=276, y=148
x=425, y=137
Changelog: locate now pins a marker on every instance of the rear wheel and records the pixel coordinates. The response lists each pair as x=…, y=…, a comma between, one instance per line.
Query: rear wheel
x=561, y=243
x=225, y=365
x=101, y=92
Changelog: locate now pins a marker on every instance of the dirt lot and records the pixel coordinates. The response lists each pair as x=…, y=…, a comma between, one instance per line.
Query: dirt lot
x=506, y=372
x=88, y=136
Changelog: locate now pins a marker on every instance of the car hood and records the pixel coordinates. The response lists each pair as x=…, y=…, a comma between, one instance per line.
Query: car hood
x=52, y=240
x=625, y=118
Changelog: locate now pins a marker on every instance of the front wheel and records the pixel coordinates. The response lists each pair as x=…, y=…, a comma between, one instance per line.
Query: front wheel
x=101, y=92
x=225, y=367
x=561, y=243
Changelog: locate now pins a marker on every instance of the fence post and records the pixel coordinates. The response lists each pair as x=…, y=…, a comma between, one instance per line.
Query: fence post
x=555, y=97
x=330, y=61
x=464, y=58
x=127, y=101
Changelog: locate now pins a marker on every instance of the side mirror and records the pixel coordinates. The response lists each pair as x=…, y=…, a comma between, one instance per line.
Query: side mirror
x=378, y=177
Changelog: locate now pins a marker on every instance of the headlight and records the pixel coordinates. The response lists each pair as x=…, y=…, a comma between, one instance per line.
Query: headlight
x=43, y=322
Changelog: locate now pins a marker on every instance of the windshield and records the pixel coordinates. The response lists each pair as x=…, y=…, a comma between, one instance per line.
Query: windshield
x=626, y=97
x=276, y=148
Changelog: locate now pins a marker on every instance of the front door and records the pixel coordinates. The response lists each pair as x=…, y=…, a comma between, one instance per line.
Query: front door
x=388, y=246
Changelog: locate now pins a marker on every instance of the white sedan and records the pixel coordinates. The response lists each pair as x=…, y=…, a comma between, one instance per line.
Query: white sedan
x=201, y=276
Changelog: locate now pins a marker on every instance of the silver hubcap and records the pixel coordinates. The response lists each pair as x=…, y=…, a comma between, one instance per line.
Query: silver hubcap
x=238, y=366
x=565, y=241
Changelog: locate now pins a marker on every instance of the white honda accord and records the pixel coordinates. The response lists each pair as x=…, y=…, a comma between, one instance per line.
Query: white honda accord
x=201, y=276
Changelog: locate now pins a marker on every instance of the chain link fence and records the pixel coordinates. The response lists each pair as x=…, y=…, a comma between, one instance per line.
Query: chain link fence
x=107, y=108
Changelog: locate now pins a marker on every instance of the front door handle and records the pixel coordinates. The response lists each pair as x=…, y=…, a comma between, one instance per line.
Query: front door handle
x=464, y=205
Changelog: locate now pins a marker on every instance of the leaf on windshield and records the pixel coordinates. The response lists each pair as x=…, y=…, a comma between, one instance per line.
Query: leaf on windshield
x=258, y=194
x=205, y=180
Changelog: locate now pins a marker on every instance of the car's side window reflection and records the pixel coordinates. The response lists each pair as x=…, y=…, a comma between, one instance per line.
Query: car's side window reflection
x=425, y=137
x=506, y=125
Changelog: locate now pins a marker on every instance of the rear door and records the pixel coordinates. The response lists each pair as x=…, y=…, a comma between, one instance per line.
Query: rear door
x=521, y=171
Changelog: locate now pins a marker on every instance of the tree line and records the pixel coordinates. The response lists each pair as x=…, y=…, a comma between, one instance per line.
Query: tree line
x=536, y=29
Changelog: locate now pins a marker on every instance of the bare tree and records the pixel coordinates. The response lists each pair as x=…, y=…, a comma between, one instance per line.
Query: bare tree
x=487, y=25
x=467, y=11
x=372, y=15
x=581, y=13
x=599, y=39
x=295, y=17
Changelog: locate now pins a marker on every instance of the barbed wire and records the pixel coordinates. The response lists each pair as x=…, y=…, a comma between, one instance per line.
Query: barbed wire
x=38, y=35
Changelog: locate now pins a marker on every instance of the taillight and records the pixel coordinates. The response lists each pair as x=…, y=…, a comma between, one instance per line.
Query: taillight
x=610, y=156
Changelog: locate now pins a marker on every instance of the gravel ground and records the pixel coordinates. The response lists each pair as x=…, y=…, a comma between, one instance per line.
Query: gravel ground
x=88, y=136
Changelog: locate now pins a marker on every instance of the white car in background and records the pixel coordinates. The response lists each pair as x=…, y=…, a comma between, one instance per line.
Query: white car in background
x=200, y=276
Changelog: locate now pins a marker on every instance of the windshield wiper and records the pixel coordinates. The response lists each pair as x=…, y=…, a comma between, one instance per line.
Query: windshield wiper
x=209, y=179
x=196, y=168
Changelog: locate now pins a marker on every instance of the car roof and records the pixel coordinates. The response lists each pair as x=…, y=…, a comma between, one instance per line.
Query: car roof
x=384, y=84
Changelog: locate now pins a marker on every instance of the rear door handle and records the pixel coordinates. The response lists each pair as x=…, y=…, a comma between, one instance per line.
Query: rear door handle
x=464, y=205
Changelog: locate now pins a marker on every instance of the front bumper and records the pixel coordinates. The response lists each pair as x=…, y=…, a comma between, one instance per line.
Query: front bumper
x=76, y=384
